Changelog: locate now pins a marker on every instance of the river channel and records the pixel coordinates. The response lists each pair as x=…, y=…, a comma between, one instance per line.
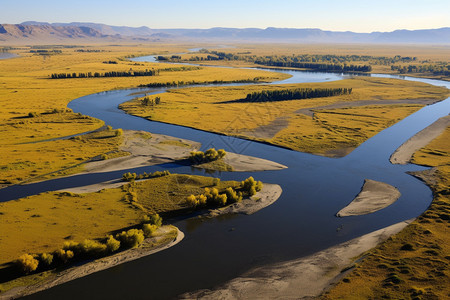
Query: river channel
x=300, y=223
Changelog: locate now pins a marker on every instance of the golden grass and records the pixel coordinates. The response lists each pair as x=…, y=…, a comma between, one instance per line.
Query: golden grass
x=42, y=223
x=25, y=158
x=413, y=264
x=25, y=87
x=201, y=108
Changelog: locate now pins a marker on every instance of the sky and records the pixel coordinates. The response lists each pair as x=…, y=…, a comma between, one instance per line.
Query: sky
x=336, y=15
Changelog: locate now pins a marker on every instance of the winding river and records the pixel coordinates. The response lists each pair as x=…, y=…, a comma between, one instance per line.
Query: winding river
x=300, y=223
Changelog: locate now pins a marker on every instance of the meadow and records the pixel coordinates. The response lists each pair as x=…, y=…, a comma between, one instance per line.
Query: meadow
x=296, y=124
x=415, y=263
x=33, y=107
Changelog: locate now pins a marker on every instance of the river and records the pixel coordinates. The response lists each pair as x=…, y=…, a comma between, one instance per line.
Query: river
x=300, y=223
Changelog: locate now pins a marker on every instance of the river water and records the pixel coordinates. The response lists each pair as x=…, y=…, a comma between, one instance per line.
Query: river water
x=300, y=223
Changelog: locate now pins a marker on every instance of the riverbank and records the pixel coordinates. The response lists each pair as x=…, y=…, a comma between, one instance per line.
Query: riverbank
x=374, y=196
x=405, y=152
x=301, y=278
x=165, y=237
x=267, y=196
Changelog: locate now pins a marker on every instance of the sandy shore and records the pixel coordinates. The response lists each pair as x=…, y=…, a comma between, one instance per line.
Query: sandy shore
x=405, y=152
x=244, y=163
x=374, y=195
x=267, y=196
x=145, y=150
x=146, y=248
x=298, y=279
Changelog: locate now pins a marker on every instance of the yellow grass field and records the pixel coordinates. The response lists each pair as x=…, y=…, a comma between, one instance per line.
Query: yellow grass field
x=25, y=88
x=43, y=222
x=413, y=264
x=327, y=130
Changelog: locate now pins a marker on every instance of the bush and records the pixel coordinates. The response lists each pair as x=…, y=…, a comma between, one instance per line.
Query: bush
x=192, y=200
x=27, y=263
x=155, y=220
x=207, y=156
x=131, y=238
x=91, y=248
x=112, y=245
x=250, y=186
x=232, y=195
x=149, y=229
x=129, y=176
x=32, y=114
x=119, y=132
x=64, y=256
x=216, y=181
x=46, y=259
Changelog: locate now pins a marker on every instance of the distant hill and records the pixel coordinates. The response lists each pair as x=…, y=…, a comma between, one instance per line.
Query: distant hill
x=40, y=32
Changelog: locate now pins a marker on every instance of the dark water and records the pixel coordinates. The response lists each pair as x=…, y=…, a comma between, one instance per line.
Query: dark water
x=301, y=222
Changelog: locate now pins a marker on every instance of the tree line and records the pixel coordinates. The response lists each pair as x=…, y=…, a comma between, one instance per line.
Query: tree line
x=291, y=94
x=106, y=74
x=89, y=249
x=434, y=69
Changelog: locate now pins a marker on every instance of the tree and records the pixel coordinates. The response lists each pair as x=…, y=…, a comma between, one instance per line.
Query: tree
x=27, y=263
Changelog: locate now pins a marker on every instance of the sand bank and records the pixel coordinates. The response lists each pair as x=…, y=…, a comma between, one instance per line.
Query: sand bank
x=267, y=196
x=405, y=152
x=244, y=163
x=146, y=248
x=374, y=196
x=301, y=278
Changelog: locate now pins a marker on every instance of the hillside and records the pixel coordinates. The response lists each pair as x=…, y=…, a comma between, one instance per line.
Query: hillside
x=41, y=32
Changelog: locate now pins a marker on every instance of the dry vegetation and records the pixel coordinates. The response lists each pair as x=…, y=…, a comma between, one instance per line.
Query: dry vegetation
x=415, y=263
x=26, y=90
x=325, y=132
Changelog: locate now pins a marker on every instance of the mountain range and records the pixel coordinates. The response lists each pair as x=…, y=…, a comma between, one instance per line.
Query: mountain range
x=40, y=32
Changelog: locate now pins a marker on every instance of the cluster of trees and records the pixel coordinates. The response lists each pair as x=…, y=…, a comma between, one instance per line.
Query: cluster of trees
x=111, y=62
x=211, y=154
x=317, y=66
x=89, y=249
x=106, y=74
x=130, y=177
x=213, y=198
x=147, y=101
x=89, y=50
x=443, y=69
x=290, y=94
x=194, y=82
x=311, y=58
x=46, y=51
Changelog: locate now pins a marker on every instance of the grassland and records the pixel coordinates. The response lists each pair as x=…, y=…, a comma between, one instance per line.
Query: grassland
x=42, y=223
x=326, y=132
x=413, y=264
x=25, y=89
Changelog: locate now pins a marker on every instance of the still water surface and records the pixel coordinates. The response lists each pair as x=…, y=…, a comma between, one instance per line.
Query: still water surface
x=301, y=222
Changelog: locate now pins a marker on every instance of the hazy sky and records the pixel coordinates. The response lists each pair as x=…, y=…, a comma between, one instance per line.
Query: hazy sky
x=340, y=15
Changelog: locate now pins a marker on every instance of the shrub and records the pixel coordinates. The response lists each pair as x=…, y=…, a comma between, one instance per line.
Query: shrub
x=27, y=263
x=149, y=229
x=192, y=200
x=155, y=220
x=112, y=245
x=131, y=238
x=46, y=259
x=207, y=156
x=232, y=195
x=104, y=157
x=119, y=132
x=216, y=181
x=129, y=176
x=250, y=186
x=32, y=114
x=91, y=248
x=64, y=256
